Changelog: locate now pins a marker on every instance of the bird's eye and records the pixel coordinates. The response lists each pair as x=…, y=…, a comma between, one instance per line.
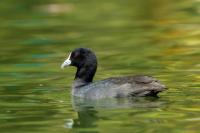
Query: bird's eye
x=75, y=55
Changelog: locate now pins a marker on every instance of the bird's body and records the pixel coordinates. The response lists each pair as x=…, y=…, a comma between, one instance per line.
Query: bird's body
x=118, y=87
x=129, y=86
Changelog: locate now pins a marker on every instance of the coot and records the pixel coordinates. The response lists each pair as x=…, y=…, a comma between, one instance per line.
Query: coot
x=86, y=63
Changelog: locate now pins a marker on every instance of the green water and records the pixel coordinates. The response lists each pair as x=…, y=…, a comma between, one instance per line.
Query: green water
x=153, y=37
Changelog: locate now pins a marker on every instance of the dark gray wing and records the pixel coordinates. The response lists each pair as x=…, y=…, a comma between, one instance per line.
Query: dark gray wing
x=140, y=85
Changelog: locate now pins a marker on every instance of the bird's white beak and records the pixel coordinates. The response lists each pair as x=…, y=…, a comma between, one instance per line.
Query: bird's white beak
x=67, y=62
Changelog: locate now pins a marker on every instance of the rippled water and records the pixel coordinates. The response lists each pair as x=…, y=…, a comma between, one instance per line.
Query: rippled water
x=154, y=37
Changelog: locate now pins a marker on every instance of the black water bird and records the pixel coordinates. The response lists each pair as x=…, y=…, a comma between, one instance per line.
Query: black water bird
x=86, y=63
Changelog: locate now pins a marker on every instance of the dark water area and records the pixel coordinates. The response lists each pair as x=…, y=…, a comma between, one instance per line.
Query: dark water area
x=152, y=37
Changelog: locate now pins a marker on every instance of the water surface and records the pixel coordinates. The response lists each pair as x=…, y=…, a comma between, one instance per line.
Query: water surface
x=153, y=37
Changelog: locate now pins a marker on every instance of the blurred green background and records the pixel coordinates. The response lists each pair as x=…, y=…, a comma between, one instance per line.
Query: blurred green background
x=154, y=37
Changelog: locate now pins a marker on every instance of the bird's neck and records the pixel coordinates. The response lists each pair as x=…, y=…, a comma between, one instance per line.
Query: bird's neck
x=84, y=75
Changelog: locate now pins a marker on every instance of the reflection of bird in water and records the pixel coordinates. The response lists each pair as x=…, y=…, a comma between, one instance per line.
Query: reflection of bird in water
x=86, y=118
x=116, y=103
x=88, y=111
